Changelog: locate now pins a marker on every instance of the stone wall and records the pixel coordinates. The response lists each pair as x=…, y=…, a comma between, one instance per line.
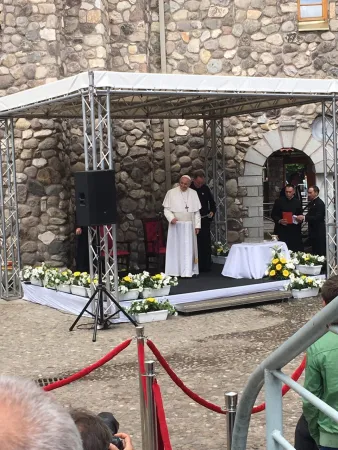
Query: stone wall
x=42, y=41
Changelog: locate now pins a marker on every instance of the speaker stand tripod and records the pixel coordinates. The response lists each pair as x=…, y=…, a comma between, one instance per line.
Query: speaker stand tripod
x=100, y=319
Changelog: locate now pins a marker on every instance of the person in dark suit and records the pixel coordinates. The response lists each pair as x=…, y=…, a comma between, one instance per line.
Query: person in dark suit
x=207, y=211
x=82, y=251
x=294, y=180
x=289, y=233
x=316, y=221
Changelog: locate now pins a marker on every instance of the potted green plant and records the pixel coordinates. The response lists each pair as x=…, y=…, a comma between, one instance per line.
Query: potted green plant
x=151, y=310
x=303, y=286
x=308, y=264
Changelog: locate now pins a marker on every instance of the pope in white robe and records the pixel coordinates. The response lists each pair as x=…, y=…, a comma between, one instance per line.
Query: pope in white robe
x=182, y=210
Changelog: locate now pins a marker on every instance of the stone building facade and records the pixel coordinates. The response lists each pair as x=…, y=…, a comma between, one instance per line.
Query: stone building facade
x=44, y=40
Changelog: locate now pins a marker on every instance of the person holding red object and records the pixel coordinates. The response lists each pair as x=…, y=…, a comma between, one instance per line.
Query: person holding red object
x=285, y=209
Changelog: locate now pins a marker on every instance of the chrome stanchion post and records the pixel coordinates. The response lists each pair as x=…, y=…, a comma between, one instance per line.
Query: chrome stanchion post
x=230, y=407
x=151, y=421
x=140, y=342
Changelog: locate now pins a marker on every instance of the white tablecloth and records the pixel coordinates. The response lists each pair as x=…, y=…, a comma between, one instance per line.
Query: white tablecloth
x=251, y=260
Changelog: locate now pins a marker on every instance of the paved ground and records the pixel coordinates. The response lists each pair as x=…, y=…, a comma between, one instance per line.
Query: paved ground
x=213, y=353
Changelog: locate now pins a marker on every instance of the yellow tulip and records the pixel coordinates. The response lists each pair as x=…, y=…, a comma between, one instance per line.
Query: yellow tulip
x=272, y=273
x=279, y=267
x=275, y=261
x=285, y=273
x=283, y=260
x=77, y=274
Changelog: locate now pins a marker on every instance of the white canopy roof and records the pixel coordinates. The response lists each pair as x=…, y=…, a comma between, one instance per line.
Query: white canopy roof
x=138, y=95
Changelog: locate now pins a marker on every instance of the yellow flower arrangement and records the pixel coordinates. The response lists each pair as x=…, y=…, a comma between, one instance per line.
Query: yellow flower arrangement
x=279, y=268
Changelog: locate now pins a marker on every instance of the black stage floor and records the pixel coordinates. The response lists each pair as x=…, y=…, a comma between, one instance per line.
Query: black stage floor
x=208, y=281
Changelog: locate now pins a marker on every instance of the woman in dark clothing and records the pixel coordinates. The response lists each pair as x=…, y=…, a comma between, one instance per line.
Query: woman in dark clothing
x=82, y=252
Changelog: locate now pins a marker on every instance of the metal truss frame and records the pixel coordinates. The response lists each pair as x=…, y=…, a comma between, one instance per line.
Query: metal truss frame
x=10, y=286
x=99, y=106
x=215, y=171
x=98, y=152
x=329, y=112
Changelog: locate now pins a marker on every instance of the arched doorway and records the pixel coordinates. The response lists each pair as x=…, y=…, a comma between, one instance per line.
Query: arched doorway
x=280, y=168
x=298, y=141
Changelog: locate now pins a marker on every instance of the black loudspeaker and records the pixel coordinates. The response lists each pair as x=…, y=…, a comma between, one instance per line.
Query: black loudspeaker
x=95, y=194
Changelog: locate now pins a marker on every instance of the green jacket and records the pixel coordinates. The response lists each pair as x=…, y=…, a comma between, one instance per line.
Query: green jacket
x=321, y=378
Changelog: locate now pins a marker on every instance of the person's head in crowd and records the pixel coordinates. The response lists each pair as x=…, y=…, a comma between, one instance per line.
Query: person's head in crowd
x=30, y=419
x=330, y=289
x=94, y=432
x=185, y=182
x=313, y=192
x=199, y=178
x=289, y=191
x=295, y=179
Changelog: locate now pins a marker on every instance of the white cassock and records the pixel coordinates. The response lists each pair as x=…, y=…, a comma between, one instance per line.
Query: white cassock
x=181, y=255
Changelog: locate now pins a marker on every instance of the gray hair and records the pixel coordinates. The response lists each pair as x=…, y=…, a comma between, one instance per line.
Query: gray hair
x=32, y=420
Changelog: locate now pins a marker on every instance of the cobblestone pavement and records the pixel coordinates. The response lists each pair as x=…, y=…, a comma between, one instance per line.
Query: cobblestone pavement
x=213, y=353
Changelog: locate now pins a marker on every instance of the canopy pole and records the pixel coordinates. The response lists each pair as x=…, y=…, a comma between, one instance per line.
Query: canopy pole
x=166, y=138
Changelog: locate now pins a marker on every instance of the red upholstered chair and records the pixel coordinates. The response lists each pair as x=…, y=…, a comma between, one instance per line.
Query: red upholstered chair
x=123, y=253
x=154, y=241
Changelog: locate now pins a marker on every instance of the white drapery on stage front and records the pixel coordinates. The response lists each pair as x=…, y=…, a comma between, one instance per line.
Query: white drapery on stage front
x=73, y=304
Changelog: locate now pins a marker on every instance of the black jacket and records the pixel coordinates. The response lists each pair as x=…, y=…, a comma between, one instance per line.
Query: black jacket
x=316, y=218
x=207, y=200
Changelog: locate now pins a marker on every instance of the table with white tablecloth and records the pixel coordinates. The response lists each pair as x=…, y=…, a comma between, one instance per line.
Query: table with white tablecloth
x=250, y=260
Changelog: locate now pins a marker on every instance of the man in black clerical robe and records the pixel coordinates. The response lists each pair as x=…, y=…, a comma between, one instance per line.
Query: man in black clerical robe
x=207, y=211
x=288, y=233
x=316, y=222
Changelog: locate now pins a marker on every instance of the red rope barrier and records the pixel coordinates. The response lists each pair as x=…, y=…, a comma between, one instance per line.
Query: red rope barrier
x=295, y=376
x=180, y=383
x=164, y=438
x=285, y=389
x=87, y=370
x=142, y=366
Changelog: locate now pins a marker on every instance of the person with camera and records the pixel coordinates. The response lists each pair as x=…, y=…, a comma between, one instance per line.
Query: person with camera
x=100, y=432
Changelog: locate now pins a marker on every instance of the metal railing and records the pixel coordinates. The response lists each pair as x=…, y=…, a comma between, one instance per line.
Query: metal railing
x=269, y=371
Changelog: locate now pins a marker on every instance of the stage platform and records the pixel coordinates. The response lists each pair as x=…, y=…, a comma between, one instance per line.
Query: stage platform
x=209, y=291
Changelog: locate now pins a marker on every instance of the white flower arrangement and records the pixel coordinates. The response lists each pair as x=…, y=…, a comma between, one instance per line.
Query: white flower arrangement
x=305, y=282
x=307, y=259
x=26, y=273
x=38, y=273
x=51, y=278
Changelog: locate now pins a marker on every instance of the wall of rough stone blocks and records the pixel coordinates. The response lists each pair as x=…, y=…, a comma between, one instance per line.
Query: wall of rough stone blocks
x=42, y=41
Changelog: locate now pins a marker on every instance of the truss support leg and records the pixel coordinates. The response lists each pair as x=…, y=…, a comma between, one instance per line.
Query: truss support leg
x=329, y=110
x=98, y=150
x=10, y=286
x=215, y=171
